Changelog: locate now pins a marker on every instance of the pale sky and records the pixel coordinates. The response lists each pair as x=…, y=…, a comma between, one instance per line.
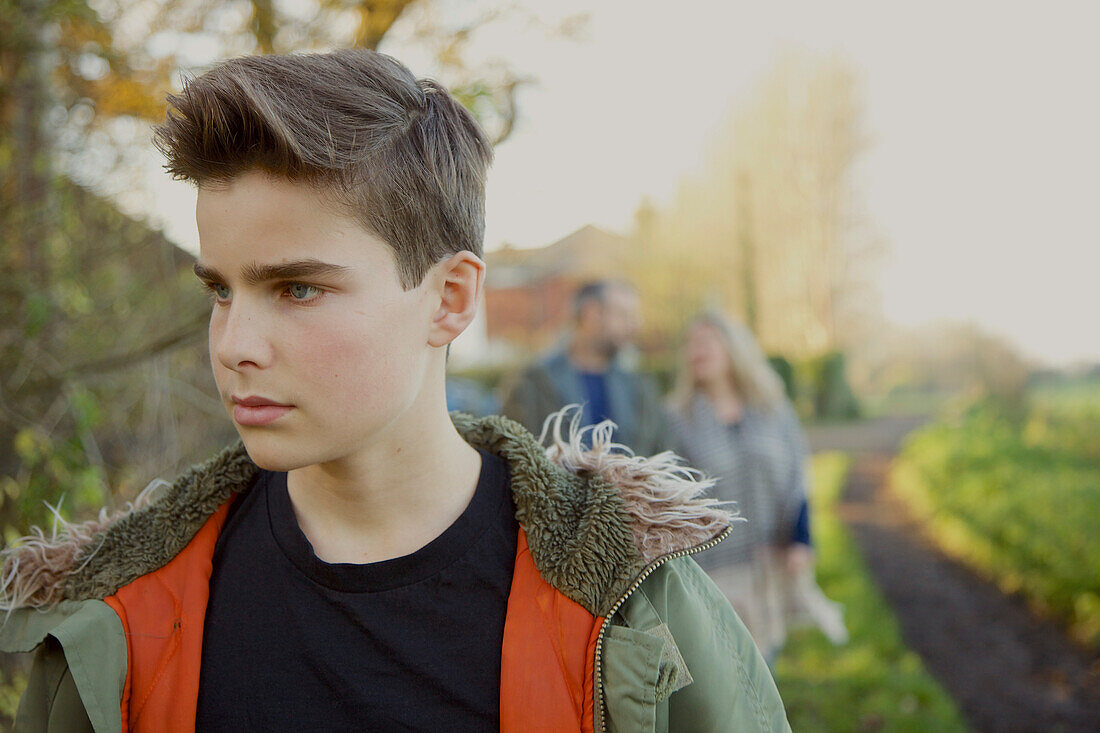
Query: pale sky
x=983, y=173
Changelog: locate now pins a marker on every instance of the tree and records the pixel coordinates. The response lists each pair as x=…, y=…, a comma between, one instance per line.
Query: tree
x=943, y=358
x=770, y=229
x=445, y=31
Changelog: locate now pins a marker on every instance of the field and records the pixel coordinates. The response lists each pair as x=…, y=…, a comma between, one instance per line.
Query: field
x=873, y=683
x=1018, y=500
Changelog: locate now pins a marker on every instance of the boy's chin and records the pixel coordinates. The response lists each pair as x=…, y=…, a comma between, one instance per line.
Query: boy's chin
x=272, y=454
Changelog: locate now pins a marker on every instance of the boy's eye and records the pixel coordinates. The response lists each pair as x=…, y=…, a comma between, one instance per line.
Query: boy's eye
x=222, y=291
x=301, y=291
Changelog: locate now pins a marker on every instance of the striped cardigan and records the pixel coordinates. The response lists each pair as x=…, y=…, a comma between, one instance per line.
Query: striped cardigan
x=759, y=463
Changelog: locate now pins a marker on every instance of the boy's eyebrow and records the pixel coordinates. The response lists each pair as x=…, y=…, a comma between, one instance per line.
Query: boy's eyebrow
x=255, y=274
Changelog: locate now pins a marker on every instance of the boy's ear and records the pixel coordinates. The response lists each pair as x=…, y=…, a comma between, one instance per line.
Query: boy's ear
x=459, y=279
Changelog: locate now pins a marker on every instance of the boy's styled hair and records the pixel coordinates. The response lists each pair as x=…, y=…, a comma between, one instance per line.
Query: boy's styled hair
x=398, y=154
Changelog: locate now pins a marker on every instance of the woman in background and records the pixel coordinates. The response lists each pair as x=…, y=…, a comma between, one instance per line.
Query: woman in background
x=732, y=421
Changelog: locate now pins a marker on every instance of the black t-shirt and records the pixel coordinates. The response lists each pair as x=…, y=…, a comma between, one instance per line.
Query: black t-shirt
x=409, y=644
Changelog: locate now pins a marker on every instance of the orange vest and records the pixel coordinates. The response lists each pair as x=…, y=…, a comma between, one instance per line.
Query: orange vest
x=546, y=657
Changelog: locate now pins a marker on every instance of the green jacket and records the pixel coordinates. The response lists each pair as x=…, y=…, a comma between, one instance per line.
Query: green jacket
x=611, y=532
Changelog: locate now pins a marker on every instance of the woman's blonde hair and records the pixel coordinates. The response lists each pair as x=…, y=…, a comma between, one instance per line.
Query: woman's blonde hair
x=753, y=377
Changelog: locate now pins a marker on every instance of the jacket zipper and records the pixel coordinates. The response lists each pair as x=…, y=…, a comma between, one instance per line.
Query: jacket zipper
x=597, y=667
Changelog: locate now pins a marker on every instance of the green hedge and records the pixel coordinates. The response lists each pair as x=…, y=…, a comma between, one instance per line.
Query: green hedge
x=1018, y=502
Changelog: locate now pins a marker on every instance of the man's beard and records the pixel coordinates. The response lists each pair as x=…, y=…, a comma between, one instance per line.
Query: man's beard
x=610, y=348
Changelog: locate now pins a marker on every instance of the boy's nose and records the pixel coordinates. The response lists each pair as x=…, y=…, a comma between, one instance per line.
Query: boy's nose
x=239, y=341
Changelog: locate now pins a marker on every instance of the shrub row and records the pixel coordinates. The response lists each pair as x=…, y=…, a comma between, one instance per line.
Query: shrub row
x=1018, y=502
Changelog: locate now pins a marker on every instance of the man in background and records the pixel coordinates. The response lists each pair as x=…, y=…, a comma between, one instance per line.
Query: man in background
x=589, y=369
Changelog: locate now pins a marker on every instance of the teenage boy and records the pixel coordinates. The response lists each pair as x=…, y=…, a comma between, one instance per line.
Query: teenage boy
x=586, y=370
x=362, y=560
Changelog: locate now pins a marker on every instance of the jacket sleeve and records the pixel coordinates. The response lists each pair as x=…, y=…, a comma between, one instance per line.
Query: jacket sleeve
x=731, y=688
x=51, y=703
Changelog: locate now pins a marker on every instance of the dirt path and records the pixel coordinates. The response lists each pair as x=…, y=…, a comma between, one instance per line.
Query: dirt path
x=1007, y=670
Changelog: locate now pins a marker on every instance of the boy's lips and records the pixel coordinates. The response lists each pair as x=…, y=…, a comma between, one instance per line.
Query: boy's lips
x=255, y=410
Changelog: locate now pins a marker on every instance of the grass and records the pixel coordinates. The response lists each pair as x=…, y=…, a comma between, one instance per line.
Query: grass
x=911, y=401
x=1069, y=396
x=874, y=682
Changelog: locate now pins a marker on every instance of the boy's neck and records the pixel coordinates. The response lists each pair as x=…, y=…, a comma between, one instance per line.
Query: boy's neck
x=390, y=498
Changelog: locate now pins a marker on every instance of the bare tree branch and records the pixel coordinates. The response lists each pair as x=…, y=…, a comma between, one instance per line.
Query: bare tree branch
x=185, y=334
x=264, y=24
x=376, y=17
x=508, y=114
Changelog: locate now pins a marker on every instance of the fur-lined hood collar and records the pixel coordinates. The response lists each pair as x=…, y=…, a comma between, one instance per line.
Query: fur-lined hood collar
x=594, y=517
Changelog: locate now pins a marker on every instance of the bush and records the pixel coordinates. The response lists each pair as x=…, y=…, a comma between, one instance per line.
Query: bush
x=1017, y=501
x=785, y=370
x=822, y=389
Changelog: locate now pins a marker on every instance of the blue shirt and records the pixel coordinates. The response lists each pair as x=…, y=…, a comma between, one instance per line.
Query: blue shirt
x=597, y=408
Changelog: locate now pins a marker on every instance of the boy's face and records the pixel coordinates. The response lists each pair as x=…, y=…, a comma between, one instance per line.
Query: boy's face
x=310, y=317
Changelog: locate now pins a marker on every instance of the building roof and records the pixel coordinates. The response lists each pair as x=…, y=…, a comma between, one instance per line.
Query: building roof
x=587, y=252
